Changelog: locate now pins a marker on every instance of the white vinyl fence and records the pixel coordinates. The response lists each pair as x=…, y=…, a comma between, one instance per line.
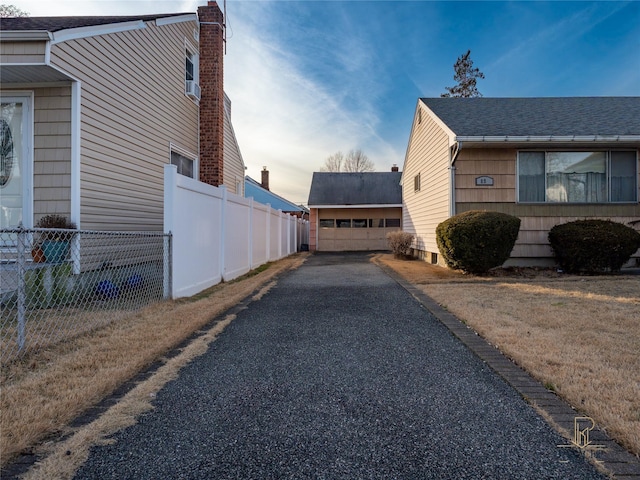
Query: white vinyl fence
x=218, y=236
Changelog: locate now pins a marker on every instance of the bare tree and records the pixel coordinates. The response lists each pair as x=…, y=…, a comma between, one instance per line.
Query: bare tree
x=11, y=11
x=354, y=161
x=466, y=76
x=333, y=163
x=357, y=161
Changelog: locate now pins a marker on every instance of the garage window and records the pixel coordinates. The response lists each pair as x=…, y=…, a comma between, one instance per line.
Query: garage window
x=342, y=223
x=393, y=223
x=359, y=223
x=376, y=223
x=327, y=223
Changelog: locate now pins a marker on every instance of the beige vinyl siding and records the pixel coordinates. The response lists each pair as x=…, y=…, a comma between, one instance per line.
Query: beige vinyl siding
x=499, y=164
x=233, y=170
x=52, y=151
x=532, y=246
x=133, y=107
x=428, y=155
x=22, y=52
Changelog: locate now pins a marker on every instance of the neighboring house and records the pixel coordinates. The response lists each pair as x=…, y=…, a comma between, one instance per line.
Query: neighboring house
x=545, y=160
x=354, y=211
x=260, y=193
x=95, y=107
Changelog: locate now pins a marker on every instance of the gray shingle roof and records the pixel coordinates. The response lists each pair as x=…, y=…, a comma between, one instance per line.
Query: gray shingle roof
x=372, y=188
x=54, y=24
x=558, y=116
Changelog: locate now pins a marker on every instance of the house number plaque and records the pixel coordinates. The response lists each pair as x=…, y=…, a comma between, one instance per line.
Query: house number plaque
x=484, y=181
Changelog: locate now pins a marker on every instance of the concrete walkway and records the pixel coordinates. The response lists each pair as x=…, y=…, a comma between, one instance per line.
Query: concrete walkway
x=338, y=373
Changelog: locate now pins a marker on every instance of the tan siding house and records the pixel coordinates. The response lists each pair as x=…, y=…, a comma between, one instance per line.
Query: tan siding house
x=545, y=160
x=111, y=101
x=354, y=211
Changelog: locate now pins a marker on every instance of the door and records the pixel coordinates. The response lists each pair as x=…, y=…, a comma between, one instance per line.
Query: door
x=16, y=162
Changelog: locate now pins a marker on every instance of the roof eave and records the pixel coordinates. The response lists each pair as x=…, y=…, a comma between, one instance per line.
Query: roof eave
x=547, y=138
x=369, y=205
x=26, y=35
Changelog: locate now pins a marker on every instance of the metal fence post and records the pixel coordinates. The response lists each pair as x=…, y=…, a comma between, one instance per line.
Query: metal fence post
x=166, y=267
x=22, y=286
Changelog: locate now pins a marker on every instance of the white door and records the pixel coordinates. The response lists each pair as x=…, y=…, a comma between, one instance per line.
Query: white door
x=16, y=162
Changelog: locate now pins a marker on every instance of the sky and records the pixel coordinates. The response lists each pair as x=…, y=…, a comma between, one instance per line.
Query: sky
x=310, y=78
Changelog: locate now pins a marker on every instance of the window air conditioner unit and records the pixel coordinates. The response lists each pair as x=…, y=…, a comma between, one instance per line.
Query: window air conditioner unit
x=192, y=89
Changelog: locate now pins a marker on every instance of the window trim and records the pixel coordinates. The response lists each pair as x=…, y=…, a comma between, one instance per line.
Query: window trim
x=608, y=156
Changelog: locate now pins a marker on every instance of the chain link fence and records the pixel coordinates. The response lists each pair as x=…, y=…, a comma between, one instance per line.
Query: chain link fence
x=58, y=284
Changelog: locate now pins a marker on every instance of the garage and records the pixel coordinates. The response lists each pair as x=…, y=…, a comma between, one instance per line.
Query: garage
x=354, y=211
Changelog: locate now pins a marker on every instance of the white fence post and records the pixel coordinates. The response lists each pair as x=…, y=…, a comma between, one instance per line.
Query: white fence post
x=250, y=239
x=170, y=173
x=268, y=233
x=223, y=225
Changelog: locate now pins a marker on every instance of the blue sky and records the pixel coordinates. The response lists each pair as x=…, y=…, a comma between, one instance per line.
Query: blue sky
x=310, y=78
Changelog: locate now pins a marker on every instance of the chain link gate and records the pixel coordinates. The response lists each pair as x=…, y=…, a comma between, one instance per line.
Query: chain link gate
x=58, y=284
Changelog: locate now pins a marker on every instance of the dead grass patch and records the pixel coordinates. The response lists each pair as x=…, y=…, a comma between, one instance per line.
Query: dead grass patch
x=578, y=335
x=43, y=393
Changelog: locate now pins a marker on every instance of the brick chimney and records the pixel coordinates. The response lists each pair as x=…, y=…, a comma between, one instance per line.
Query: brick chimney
x=394, y=168
x=265, y=178
x=211, y=93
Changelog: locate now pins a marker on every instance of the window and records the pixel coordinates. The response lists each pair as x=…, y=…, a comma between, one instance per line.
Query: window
x=326, y=223
x=186, y=166
x=376, y=223
x=577, y=177
x=191, y=74
x=359, y=223
x=192, y=61
x=393, y=223
x=341, y=223
x=416, y=183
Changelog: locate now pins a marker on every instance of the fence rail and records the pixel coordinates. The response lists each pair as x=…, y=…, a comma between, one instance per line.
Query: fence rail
x=59, y=284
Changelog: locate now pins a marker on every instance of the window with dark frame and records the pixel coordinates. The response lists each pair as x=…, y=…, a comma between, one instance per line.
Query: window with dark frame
x=416, y=183
x=327, y=223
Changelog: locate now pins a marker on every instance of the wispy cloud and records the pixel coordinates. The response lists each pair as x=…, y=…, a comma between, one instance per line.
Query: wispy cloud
x=290, y=118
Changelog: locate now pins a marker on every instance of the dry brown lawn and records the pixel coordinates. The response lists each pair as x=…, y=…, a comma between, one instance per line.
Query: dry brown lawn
x=578, y=335
x=41, y=394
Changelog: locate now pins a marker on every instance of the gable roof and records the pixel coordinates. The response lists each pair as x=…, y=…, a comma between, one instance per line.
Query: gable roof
x=370, y=188
x=264, y=196
x=55, y=24
x=538, y=117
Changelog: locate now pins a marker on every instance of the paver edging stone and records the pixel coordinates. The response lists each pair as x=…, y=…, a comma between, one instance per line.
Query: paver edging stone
x=613, y=459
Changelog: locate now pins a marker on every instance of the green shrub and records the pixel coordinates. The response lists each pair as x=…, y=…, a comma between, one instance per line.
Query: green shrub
x=477, y=241
x=400, y=243
x=593, y=246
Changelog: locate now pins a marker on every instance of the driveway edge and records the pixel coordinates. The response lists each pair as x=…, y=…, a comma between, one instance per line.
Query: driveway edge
x=611, y=458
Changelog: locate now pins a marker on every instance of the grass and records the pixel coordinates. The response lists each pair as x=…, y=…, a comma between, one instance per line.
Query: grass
x=579, y=336
x=42, y=393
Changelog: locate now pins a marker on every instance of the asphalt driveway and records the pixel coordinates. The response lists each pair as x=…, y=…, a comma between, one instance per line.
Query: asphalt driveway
x=337, y=373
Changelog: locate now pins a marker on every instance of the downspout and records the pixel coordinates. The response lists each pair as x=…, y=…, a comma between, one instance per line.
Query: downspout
x=454, y=151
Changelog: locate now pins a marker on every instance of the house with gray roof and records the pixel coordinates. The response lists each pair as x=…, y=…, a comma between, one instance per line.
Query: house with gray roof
x=354, y=211
x=93, y=108
x=545, y=160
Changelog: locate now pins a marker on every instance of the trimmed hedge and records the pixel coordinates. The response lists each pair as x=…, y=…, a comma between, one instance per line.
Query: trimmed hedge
x=593, y=246
x=478, y=240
